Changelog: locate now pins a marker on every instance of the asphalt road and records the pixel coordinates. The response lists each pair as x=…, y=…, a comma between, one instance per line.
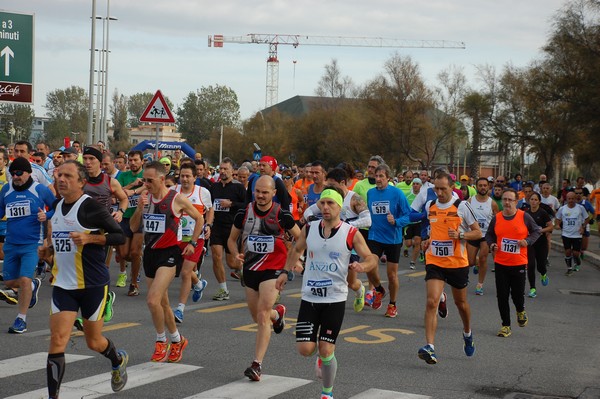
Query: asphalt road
x=557, y=355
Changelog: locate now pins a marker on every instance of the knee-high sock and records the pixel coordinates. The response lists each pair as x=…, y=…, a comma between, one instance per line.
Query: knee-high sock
x=55, y=369
x=328, y=371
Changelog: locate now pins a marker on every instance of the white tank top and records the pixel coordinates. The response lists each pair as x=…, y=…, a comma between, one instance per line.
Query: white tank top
x=483, y=212
x=327, y=260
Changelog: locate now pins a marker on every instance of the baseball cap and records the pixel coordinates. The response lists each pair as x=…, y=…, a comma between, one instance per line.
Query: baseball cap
x=490, y=178
x=464, y=177
x=165, y=160
x=70, y=150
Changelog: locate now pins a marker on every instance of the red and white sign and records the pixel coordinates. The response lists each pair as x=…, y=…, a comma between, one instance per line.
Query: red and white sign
x=157, y=110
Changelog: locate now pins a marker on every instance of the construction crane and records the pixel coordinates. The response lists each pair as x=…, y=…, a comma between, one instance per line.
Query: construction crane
x=274, y=40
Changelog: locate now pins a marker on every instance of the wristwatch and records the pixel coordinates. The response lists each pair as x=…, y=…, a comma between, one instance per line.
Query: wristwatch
x=121, y=209
x=290, y=275
x=461, y=235
x=193, y=243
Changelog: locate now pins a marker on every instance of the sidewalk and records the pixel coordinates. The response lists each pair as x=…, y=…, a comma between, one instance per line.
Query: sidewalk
x=592, y=254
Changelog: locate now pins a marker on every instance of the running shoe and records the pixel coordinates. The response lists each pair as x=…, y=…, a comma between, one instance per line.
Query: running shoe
x=479, y=290
x=369, y=298
x=235, y=274
x=504, y=332
x=178, y=315
x=138, y=279
x=582, y=255
x=197, y=295
x=475, y=269
x=40, y=270
x=108, y=309
x=176, y=350
x=522, y=318
x=428, y=354
x=37, y=283
x=326, y=395
x=377, y=298
x=253, y=372
x=405, y=253
x=569, y=272
x=160, y=351
x=118, y=378
x=469, y=345
x=78, y=323
x=421, y=256
x=532, y=293
x=279, y=324
x=121, y=280
x=318, y=368
x=18, y=327
x=133, y=290
x=221, y=295
x=391, y=311
x=576, y=268
x=545, y=280
x=412, y=266
x=442, y=308
x=359, y=301
x=9, y=296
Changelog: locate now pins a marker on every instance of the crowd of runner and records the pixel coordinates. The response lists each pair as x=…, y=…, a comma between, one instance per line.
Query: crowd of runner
x=64, y=211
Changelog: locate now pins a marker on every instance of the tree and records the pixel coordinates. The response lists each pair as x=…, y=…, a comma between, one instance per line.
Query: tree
x=68, y=112
x=332, y=84
x=21, y=117
x=119, y=113
x=476, y=107
x=205, y=110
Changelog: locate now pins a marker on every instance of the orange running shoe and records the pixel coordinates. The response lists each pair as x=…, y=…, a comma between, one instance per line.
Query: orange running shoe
x=160, y=351
x=176, y=351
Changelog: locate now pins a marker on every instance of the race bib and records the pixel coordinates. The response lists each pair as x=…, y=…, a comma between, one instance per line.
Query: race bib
x=62, y=242
x=442, y=248
x=154, y=223
x=133, y=200
x=570, y=221
x=319, y=288
x=218, y=207
x=510, y=246
x=380, y=207
x=18, y=209
x=482, y=223
x=261, y=244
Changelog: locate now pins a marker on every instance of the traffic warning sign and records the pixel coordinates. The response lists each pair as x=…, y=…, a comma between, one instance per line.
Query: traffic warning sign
x=157, y=110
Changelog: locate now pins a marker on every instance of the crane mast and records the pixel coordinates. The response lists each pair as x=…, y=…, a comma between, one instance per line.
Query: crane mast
x=273, y=40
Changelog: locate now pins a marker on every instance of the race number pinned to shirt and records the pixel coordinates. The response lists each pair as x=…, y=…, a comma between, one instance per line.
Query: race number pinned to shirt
x=442, y=248
x=18, y=209
x=133, y=200
x=261, y=244
x=482, y=222
x=62, y=242
x=218, y=207
x=380, y=207
x=510, y=246
x=154, y=223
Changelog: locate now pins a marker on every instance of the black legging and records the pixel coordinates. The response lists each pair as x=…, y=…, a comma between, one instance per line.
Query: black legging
x=510, y=281
x=537, y=255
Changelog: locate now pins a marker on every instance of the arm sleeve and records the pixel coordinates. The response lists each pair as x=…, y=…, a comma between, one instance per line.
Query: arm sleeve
x=490, y=236
x=238, y=219
x=93, y=215
x=535, y=231
x=286, y=220
x=311, y=211
x=363, y=220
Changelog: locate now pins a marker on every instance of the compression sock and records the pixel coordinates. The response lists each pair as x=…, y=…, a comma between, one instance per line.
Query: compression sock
x=55, y=369
x=111, y=353
x=328, y=371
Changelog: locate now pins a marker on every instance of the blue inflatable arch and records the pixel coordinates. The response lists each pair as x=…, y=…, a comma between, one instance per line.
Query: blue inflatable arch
x=166, y=145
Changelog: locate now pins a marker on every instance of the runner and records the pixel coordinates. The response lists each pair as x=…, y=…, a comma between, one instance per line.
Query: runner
x=324, y=289
x=262, y=227
x=446, y=258
x=131, y=251
x=159, y=211
x=537, y=254
x=200, y=199
x=573, y=219
x=389, y=215
x=318, y=172
x=228, y=197
x=509, y=235
x=23, y=202
x=81, y=227
x=581, y=193
x=484, y=208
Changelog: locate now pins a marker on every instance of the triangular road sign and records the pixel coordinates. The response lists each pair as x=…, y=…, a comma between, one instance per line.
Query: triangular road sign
x=157, y=110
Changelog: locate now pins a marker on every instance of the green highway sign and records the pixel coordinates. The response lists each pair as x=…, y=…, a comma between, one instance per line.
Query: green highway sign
x=16, y=57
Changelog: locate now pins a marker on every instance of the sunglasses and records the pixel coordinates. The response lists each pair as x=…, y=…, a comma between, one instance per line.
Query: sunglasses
x=17, y=173
x=287, y=177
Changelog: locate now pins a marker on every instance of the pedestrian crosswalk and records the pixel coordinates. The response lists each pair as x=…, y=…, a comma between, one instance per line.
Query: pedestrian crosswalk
x=147, y=373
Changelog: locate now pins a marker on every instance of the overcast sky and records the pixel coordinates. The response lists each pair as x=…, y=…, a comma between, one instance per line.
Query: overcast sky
x=163, y=44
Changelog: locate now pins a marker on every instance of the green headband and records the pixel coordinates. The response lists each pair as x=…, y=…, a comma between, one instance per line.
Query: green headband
x=334, y=195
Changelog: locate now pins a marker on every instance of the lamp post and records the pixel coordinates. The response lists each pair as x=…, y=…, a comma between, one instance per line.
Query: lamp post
x=104, y=133
x=91, y=86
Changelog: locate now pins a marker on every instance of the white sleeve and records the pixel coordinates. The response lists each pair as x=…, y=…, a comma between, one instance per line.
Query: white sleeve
x=419, y=201
x=311, y=211
x=205, y=197
x=363, y=220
